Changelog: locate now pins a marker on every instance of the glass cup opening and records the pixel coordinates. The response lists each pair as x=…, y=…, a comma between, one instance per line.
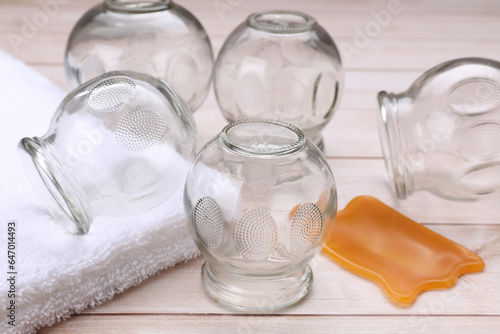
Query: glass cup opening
x=390, y=141
x=138, y=6
x=262, y=137
x=66, y=204
x=282, y=21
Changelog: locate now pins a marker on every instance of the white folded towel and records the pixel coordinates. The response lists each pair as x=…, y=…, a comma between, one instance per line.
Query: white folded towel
x=59, y=274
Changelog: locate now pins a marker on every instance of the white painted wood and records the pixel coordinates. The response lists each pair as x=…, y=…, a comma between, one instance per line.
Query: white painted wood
x=424, y=34
x=335, y=290
x=282, y=324
x=47, y=49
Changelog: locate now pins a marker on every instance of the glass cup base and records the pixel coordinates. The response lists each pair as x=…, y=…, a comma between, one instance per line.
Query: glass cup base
x=256, y=293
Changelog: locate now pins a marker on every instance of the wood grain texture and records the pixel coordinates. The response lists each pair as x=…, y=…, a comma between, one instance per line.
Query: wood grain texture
x=421, y=36
x=140, y=324
x=335, y=290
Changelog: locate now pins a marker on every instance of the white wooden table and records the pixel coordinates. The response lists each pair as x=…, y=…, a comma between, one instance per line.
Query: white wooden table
x=421, y=35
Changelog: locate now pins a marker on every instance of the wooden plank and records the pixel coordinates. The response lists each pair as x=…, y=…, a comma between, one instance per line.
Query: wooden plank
x=408, y=23
x=379, y=54
x=29, y=4
x=361, y=86
x=351, y=133
x=335, y=291
x=38, y=49
x=283, y=324
x=355, y=177
x=47, y=18
x=431, y=37
x=448, y=7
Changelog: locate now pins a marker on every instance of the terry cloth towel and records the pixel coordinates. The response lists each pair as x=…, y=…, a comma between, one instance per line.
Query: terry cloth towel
x=58, y=274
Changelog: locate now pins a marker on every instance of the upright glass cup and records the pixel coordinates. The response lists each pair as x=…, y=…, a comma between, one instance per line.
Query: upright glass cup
x=443, y=133
x=281, y=65
x=118, y=145
x=261, y=200
x=156, y=37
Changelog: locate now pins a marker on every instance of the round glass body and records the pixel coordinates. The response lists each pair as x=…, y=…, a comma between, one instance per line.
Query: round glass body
x=118, y=145
x=280, y=65
x=443, y=133
x=261, y=201
x=157, y=37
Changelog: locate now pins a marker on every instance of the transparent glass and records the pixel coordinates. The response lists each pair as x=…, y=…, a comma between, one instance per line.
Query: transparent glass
x=156, y=37
x=261, y=200
x=118, y=145
x=443, y=133
x=280, y=65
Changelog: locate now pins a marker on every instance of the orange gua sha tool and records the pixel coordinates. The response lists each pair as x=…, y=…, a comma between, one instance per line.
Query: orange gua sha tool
x=375, y=241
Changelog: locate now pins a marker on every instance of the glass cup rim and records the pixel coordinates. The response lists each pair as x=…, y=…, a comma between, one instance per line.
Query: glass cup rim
x=137, y=6
x=60, y=191
x=283, y=150
x=309, y=24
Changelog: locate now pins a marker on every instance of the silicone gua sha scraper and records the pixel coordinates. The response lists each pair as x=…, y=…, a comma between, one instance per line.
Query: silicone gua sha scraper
x=405, y=258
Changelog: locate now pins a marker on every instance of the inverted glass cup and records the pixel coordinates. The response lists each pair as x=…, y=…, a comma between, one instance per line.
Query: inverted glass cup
x=261, y=200
x=156, y=37
x=282, y=65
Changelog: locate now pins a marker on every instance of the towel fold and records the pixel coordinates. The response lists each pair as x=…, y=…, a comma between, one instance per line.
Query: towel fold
x=58, y=274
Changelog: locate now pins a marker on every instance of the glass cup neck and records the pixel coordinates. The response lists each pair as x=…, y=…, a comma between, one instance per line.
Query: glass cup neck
x=282, y=22
x=137, y=6
x=65, y=199
x=403, y=176
x=262, y=138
